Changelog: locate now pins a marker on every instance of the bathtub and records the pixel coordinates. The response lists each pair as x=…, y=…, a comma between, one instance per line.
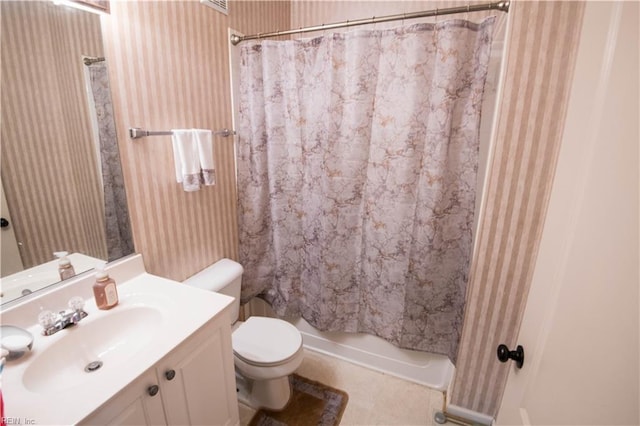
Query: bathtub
x=432, y=370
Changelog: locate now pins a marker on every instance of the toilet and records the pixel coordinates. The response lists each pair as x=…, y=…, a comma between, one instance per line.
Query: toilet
x=265, y=350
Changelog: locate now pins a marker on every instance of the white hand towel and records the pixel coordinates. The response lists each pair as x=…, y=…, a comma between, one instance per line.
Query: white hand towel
x=186, y=159
x=204, y=140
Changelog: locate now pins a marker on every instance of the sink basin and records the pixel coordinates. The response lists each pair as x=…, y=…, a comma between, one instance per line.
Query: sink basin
x=93, y=348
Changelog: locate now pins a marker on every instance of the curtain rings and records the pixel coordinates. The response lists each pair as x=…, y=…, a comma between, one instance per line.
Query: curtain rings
x=435, y=33
x=466, y=18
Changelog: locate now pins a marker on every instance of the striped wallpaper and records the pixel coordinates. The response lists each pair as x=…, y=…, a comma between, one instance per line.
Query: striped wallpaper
x=48, y=168
x=542, y=47
x=169, y=68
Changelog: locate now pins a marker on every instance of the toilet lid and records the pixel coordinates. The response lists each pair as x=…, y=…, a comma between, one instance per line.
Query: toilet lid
x=263, y=340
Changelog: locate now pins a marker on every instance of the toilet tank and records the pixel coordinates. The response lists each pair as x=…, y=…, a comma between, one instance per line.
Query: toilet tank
x=224, y=276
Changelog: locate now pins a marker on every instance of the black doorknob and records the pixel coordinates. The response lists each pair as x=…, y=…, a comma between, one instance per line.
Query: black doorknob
x=3, y=222
x=504, y=355
x=170, y=374
x=153, y=390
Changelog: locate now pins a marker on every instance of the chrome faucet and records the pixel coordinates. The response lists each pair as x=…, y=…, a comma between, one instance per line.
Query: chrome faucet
x=52, y=323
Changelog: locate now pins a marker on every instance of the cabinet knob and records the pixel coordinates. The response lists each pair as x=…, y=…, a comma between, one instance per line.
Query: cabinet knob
x=170, y=374
x=3, y=222
x=153, y=390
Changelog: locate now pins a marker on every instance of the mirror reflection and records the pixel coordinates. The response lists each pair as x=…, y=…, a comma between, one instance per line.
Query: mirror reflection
x=62, y=186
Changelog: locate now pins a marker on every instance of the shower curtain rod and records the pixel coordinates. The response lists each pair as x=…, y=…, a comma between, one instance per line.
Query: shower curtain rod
x=502, y=6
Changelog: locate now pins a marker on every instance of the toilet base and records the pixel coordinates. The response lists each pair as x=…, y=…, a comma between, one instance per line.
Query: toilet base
x=271, y=394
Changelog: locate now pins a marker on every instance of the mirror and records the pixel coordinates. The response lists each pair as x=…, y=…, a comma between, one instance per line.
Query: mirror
x=62, y=182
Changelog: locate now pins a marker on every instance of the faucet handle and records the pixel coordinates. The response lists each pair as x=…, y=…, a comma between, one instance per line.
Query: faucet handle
x=47, y=319
x=76, y=303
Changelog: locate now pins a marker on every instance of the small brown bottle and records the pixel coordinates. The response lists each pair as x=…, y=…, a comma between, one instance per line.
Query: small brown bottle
x=105, y=291
x=65, y=268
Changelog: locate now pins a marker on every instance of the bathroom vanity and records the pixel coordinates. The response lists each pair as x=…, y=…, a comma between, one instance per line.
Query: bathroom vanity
x=186, y=387
x=163, y=355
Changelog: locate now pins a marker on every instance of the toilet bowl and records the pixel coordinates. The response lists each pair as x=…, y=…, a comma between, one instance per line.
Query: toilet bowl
x=266, y=350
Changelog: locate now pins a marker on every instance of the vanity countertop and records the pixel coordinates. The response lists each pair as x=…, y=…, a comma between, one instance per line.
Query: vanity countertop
x=153, y=316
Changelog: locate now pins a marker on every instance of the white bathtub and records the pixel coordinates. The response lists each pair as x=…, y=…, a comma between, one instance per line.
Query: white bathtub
x=432, y=370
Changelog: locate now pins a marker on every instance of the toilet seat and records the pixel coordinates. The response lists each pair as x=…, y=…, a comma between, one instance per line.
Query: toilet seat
x=264, y=341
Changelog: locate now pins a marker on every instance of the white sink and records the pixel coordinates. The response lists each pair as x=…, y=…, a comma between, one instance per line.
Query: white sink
x=92, y=348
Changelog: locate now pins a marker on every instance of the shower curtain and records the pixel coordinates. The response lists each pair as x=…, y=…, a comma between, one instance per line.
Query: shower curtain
x=117, y=229
x=357, y=160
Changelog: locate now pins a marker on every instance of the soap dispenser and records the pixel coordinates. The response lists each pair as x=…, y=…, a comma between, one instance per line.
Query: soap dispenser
x=104, y=290
x=65, y=268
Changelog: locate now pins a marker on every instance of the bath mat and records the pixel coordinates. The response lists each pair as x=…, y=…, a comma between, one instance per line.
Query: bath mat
x=311, y=404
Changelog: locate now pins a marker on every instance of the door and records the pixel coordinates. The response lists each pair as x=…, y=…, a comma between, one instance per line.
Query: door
x=11, y=261
x=580, y=329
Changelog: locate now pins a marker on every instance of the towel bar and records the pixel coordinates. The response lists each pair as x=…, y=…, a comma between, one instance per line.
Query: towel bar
x=136, y=133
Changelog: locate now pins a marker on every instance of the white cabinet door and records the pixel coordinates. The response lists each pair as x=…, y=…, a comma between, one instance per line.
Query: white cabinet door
x=198, y=380
x=133, y=406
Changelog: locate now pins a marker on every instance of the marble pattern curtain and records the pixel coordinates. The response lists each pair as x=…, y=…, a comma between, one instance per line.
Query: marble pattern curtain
x=117, y=226
x=357, y=160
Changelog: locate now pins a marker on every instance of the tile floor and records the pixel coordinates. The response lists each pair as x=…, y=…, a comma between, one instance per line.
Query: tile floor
x=374, y=398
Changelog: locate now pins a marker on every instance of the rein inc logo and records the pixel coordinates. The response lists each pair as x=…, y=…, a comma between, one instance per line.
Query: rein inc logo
x=18, y=421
